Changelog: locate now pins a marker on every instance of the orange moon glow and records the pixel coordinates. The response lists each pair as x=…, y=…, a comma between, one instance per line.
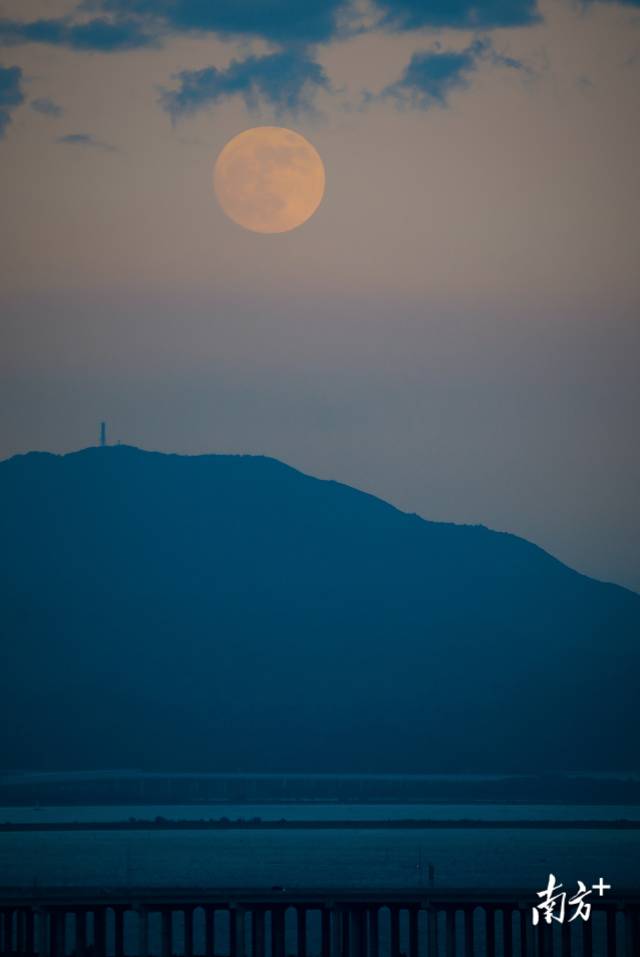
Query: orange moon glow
x=269, y=179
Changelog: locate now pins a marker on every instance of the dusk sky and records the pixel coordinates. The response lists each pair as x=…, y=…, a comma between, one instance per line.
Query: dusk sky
x=455, y=329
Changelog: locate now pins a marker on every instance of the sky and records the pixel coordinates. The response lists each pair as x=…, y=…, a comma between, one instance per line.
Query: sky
x=456, y=329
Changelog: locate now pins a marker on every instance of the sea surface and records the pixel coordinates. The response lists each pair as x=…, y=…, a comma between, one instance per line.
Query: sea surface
x=322, y=812
x=381, y=857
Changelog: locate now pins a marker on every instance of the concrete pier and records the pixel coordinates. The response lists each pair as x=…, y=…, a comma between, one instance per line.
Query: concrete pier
x=82, y=922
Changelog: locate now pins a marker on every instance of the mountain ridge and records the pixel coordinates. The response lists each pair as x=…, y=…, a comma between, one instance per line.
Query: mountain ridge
x=249, y=457
x=269, y=608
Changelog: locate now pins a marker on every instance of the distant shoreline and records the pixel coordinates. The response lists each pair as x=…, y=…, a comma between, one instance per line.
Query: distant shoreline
x=163, y=824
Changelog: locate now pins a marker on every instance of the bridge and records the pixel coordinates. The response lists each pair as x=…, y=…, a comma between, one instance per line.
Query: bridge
x=199, y=922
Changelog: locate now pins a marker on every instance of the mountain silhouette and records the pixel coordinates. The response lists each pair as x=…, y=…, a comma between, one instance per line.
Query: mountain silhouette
x=219, y=612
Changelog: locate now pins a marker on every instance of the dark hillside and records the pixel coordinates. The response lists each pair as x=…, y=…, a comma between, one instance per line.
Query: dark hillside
x=230, y=613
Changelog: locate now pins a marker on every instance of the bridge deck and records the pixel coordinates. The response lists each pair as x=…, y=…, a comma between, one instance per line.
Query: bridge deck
x=308, y=922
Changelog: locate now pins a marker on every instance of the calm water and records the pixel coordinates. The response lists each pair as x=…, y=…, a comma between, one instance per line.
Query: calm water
x=325, y=812
x=308, y=857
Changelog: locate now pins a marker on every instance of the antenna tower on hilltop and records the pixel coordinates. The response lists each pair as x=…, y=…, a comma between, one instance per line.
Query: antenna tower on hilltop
x=103, y=434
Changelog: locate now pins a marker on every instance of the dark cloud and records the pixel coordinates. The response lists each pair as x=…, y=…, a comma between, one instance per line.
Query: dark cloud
x=287, y=82
x=100, y=36
x=46, y=106
x=430, y=78
x=432, y=75
x=11, y=94
x=280, y=21
x=85, y=139
x=458, y=14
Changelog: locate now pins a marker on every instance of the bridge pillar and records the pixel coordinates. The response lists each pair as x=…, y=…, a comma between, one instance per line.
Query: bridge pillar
x=612, y=937
x=81, y=933
x=6, y=931
x=100, y=931
x=507, y=931
x=336, y=932
x=14, y=940
x=414, y=939
x=143, y=931
x=325, y=932
x=469, y=932
x=118, y=933
x=522, y=931
x=587, y=939
x=358, y=933
x=209, y=931
x=14, y=929
x=450, y=932
x=346, y=933
x=166, y=917
x=394, y=918
x=490, y=924
x=528, y=933
x=277, y=932
x=631, y=931
x=57, y=945
x=43, y=932
x=30, y=935
x=374, y=932
x=565, y=940
x=21, y=930
x=544, y=935
x=257, y=932
x=301, y=931
x=237, y=943
x=188, y=932
x=432, y=931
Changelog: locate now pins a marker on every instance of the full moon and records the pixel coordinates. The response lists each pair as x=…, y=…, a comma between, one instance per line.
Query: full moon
x=269, y=179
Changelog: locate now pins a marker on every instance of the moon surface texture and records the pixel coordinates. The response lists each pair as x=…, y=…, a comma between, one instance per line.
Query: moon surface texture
x=269, y=179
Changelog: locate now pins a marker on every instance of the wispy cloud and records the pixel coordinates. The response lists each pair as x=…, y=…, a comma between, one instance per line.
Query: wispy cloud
x=46, y=106
x=431, y=76
x=11, y=94
x=287, y=82
x=279, y=21
x=624, y=3
x=457, y=14
x=86, y=140
x=98, y=36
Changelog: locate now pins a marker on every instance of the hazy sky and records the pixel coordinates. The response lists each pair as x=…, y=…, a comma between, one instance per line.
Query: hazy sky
x=456, y=329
